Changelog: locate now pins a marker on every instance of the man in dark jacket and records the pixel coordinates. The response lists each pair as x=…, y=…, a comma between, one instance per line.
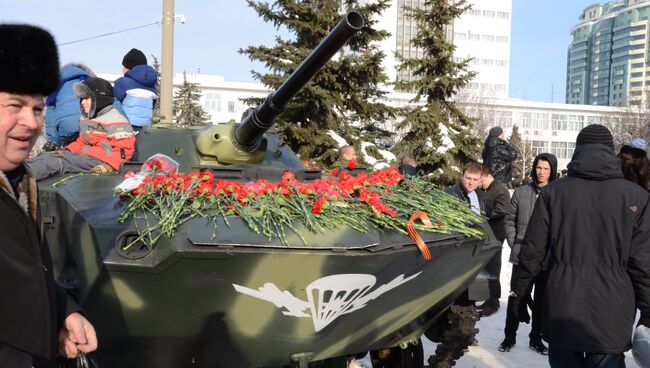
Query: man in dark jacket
x=468, y=187
x=498, y=155
x=408, y=166
x=516, y=220
x=589, y=236
x=33, y=309
x=495, y=197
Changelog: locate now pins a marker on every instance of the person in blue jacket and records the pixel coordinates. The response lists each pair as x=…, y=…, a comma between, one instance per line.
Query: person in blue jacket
x=62, y=114
x=137, y=89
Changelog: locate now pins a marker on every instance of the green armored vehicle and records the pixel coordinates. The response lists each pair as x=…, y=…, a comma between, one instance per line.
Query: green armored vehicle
x=234, y=298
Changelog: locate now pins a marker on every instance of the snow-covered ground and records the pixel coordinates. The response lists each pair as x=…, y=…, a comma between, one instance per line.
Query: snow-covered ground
x=491, y=334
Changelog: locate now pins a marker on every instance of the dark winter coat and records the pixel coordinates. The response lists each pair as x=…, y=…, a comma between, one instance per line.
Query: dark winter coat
x=137, y=92
x=407, y=170
x=521, y=207
x=590, y=233
x=62, y=114
x=459, y=191
x=496, y=198
x=498, y=156
x=32, y=307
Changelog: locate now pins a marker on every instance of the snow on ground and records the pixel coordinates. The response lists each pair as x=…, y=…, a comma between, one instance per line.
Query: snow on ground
x=490, y=335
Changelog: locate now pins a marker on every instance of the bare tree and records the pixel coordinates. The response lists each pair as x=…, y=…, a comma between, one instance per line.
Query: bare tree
x=632, y=121
x=523, y=163
x=479, y=106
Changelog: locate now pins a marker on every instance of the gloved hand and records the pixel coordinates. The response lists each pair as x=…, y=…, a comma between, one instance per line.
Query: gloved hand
x=517, y=307
x=50, y=146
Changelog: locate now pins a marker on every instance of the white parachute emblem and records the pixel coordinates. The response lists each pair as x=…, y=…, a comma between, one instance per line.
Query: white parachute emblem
x=328, y=298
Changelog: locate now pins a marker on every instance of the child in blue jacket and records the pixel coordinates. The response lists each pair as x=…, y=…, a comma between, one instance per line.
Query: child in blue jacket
x=137, y=89
x=62, y=114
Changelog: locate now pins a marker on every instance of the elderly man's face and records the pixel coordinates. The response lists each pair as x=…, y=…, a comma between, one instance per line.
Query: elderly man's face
x=349, y=154
x=21, y=121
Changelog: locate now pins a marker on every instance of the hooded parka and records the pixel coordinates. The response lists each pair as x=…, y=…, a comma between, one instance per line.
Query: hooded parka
x=589, y=237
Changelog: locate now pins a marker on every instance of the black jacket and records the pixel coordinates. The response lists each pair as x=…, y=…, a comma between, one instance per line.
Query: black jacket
x=407, y=170
x=521, y=207
x=498, y=156
x=458, y=191
x=496, y=198
x=590, y=232
x=32, y=307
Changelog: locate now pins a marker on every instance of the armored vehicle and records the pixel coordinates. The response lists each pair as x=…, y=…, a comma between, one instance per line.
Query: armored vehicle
x=239, y=300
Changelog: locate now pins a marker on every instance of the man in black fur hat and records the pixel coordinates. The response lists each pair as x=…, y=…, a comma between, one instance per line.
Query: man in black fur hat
x=34, y=312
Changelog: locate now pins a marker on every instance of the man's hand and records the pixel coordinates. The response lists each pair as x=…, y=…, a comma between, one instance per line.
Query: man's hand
x=77, y=334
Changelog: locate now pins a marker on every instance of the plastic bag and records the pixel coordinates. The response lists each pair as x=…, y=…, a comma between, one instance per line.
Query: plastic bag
x=641, y=346
x=157, y=164
x=81, y=361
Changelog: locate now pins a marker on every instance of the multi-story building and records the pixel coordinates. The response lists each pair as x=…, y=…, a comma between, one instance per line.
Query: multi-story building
x=547, y=127
x=608, y=56
x=481, y=34
x=544, y=126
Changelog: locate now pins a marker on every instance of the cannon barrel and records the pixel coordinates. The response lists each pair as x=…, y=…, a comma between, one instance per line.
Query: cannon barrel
x=246, y=135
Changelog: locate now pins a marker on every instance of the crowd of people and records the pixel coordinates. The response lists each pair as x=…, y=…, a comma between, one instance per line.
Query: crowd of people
x=90, y=127
x=91, y=124
x=580, y=245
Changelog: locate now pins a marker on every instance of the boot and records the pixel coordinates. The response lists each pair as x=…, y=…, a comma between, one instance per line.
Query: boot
x=507, y=344
x=537, y=345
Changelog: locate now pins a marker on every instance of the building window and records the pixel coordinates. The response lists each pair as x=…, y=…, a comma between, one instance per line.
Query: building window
x=460, y=36
x=502, y=39
x=539, y=147
x=231, y=106
x=563, y=150
x=212, y=102
x=503, y=15
x=487, y=38
x=474, y=12
x=474, y=37
x=567, y=122
x=503, y=118
x=487, y=62
x=501, y=63
x=489, y=13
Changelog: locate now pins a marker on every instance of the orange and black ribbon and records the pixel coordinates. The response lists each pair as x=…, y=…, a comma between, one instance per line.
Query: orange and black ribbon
x=419, y=215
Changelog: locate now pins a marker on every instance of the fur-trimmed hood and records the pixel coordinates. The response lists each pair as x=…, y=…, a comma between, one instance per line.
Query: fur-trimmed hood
x=27, y=192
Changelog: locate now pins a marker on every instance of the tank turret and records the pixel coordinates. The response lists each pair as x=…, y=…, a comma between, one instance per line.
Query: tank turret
x=243, y=142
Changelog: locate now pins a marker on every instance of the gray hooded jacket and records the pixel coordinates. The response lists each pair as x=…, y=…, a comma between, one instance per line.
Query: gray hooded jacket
x=521, y=207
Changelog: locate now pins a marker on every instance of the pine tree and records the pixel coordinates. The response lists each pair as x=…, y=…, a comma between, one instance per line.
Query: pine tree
x=187, y=108
x=343, y=96
x=438, y=132
x=522, y=165
x=156, y=107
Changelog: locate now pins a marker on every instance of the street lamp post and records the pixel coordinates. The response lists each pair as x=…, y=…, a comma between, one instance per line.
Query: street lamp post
x=167, y=63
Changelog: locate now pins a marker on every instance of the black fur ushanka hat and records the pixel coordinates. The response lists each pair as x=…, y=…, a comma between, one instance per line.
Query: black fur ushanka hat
x=29, y=61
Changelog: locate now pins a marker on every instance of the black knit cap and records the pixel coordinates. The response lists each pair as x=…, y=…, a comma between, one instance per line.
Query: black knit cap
x=595, y=133
x=29, y=61
x=495, y=132
x=133, y=58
